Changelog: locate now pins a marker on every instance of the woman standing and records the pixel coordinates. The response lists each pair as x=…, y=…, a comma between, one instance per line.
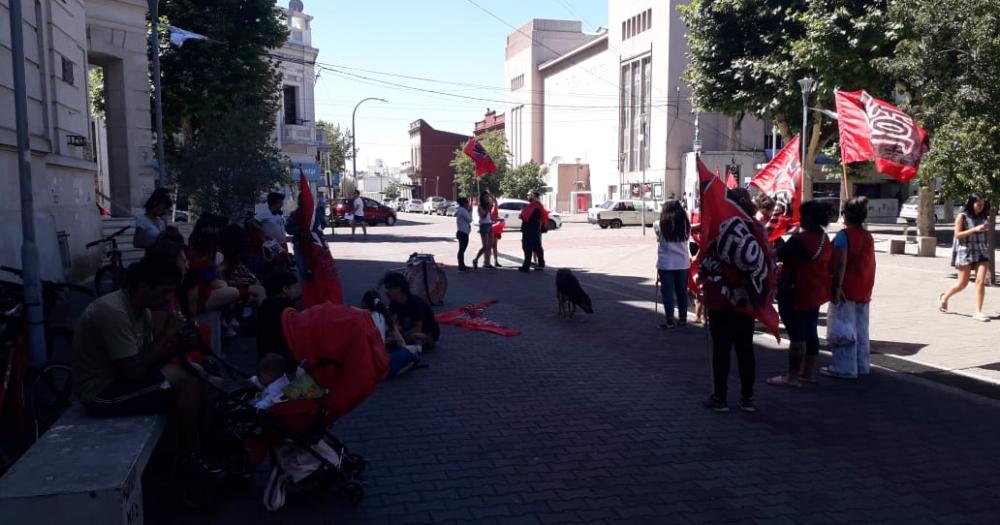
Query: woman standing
x=804, y=286
x=463, y=221
x=485, y=230
x=673, y=261
x=853, y=280
x=970, y=252
x=151, y=224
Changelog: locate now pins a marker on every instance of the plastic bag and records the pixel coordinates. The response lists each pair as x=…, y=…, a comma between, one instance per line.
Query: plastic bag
x=839, y=328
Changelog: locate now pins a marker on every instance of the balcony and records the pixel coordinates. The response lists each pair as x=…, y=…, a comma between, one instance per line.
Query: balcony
x=297, y=134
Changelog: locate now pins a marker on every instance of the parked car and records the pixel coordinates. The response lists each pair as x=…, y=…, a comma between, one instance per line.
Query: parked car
x=510, y=212
x=414, y=206
x=911, y=209
x=451, y=210
x=374, y=212
x=617, y=213
x=435, y=204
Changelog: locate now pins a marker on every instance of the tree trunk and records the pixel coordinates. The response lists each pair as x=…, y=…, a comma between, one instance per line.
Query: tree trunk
x=991, y=242
x=925, y=217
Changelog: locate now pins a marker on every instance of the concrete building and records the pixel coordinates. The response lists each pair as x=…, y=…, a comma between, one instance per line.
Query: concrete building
x=431, y=152
x=612, y=103
x=62, y=40
x=491, y=122
x=296, y=132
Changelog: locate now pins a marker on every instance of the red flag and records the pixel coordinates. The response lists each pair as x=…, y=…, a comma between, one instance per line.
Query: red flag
x=874, y=129
x=782, y=180
x=736, y=255
x=731, y=183
x=478, y=154
x=320, y=284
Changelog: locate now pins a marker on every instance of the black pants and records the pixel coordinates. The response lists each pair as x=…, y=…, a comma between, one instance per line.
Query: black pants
x=463, y=243
x=731, y=329
x=531, y=244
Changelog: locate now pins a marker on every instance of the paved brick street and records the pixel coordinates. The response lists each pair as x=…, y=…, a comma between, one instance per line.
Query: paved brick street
x=599, y=419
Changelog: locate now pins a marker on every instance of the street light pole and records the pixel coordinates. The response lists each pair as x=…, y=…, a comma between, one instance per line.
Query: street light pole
x=807, y=84
x=154, y=49
x=29, y=248
x=642, y=159
x=354, y=137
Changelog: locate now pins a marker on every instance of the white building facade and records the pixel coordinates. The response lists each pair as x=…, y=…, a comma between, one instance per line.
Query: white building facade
x=611, y=101
x=62, y=40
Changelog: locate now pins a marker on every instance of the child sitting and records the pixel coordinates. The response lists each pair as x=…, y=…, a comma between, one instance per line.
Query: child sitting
x=282, y=289
x=272, y=379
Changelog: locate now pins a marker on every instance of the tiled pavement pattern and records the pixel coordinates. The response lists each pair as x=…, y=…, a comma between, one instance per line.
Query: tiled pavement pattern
x=599, y=420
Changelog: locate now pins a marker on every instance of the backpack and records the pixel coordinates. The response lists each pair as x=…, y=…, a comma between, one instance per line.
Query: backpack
x=426, y=278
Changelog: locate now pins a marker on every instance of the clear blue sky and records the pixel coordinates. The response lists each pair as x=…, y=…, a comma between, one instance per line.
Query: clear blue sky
x=446, y=40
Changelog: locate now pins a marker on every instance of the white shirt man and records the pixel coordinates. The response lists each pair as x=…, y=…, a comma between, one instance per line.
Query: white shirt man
x=271, y=219
x=358, y=216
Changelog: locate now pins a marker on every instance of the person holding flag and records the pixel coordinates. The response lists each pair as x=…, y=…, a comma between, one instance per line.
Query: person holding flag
x=738, y=278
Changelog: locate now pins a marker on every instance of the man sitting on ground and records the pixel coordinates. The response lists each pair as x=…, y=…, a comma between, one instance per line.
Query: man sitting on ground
x=413, y=316
x=121, y=368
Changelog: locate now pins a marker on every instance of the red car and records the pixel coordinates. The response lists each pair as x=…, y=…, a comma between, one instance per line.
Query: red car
x=374, y=212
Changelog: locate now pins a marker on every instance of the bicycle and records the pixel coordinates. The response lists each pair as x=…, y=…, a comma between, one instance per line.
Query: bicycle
x=111, y=276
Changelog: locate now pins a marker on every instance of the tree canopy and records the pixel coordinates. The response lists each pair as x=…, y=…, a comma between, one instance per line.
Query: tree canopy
x=513, y=183
x=220, y=99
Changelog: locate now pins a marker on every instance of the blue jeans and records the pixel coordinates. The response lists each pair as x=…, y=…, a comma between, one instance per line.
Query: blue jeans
x=802, y=326
x=673, y=285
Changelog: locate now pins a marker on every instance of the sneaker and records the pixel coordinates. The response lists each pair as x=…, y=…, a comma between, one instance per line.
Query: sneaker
x=463, y=268
x=682, y=323
x=746, y=405
x=715, y=404
x=981, y=317
x=669, y=325
x=523, y=269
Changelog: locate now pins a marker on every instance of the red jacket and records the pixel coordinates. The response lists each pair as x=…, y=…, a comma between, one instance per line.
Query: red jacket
x=810, y=270
x=859, y=277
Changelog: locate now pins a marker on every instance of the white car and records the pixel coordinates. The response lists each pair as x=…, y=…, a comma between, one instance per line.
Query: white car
x=435, y=204
x=617, y=213
x=415, y=206
x=911, y=209
x=510, y=212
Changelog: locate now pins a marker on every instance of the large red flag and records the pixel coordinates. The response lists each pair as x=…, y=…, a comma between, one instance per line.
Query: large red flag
x=782, y=180
x=736, y=255
x=874, y=129
x=320, y=284
x=731, y=183
x=478, y=154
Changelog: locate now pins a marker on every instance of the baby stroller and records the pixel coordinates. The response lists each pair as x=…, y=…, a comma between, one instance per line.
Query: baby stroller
x=338, y=374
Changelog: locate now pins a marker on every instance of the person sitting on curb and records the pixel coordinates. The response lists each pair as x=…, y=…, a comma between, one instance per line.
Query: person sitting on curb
x=122, y=368
x=413, y=316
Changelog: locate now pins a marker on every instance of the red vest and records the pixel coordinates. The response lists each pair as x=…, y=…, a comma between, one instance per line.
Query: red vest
x=813, y=280
x=859, y=277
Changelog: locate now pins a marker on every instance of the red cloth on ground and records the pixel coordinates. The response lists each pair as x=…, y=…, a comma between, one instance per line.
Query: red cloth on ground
x=471, y=318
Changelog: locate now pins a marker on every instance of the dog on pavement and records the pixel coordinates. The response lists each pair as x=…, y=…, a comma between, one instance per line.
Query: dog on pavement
x=571, y=294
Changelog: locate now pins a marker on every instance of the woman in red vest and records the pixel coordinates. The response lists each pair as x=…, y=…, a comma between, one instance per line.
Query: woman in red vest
x=853, y=280
x=804, y=286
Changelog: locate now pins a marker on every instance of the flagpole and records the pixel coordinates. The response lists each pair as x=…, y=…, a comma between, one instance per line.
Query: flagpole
x=154, y=49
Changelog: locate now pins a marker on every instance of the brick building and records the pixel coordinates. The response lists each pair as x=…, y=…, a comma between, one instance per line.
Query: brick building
x=491, y=122
x=431, y=152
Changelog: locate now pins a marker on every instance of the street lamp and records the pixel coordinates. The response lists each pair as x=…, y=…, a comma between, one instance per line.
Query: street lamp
x=807, y=84
x=154, y=49
x=354, y=137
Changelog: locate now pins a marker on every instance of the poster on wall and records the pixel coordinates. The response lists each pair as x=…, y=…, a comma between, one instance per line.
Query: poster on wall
x=635, y=190
x=658, y=190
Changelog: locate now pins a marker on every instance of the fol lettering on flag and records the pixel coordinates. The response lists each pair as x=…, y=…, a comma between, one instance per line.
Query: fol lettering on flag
x=781, y=179
x=872, y=129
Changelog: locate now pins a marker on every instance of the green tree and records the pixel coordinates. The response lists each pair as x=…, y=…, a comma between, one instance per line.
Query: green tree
x=746, y=57
x=949, y=59
x=220, y=98
x=340, y=140
x=516, y=183
x=392, y=190
x=495, y=143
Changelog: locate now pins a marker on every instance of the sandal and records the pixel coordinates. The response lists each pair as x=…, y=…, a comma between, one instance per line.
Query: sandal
x=830, y=372
x=809, y=380
x=782, y=381
x=942, y=304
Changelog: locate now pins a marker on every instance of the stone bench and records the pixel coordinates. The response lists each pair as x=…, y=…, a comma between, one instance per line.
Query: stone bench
x=83, y=470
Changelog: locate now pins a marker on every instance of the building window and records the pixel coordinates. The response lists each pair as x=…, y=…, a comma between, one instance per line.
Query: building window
x=633, y=136
x=67, y=71
x=624, y=27
x=291, y=105
x=517, y=83
x=639, y=23
x=649, y=18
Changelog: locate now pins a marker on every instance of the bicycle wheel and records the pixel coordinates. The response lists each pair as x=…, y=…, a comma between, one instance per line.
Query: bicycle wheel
x=49, y=395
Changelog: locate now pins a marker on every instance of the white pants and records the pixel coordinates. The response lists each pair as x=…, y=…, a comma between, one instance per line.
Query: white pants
x=853, y=358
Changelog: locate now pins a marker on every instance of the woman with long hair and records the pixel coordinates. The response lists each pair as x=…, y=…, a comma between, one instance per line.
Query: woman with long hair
x=151, y=224
x=970, y=252
x=804, y=285
x=673, y=261
x=485, y=229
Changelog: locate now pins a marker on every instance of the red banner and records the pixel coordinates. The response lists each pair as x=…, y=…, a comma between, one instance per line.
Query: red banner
x=874, y=129
x=484, y=163
x=782, y=180
x=736, y=255
x=320, y=284
x=731, y=183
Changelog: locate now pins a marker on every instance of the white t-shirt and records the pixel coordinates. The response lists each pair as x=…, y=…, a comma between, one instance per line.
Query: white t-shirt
x=273, y=225
x=152, y=227
x=359, y=207
x=673, y=255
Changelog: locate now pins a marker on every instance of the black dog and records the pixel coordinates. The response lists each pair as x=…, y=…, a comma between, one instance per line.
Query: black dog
x=571, y=295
